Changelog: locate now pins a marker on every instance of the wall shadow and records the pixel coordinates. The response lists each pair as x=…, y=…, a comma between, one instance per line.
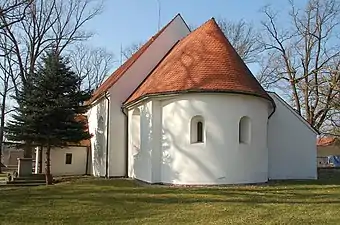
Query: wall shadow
x=99, y=148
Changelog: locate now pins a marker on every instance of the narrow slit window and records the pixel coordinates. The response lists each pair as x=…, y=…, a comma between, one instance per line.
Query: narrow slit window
x=68, y=158
x=197, y=130
x=136, y=130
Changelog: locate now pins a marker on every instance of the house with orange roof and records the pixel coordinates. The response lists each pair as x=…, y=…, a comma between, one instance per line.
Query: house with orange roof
x=185, y=109
x=328, y=147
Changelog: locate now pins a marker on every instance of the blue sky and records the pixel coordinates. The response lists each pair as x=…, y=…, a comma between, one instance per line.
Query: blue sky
x=126, y=21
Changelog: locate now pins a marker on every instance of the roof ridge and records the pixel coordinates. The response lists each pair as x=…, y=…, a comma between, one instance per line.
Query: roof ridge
x=204, y=60
x=120, y=71
x=211, y=19
x=152, y=71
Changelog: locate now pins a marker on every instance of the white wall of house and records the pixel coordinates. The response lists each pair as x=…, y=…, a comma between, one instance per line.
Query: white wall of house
x=291, y=143
x=58, y=161
x=145, y=138
x=125, y=87
x=140, y=142
x=97, y=116
x=221, y=159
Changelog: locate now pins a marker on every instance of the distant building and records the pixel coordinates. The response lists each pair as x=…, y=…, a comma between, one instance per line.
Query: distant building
x=328, y=151
x=10, y=154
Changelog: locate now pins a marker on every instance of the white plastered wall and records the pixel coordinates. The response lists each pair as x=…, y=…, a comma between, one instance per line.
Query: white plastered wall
x=291, y=143
x=140, y=143
x=58, y=161
x=127, y=84
x=221, y=159
x=97, y=160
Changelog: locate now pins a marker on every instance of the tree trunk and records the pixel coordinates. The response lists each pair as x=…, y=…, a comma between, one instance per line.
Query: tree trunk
x=2, y=122
x=40, y=160
x=48, y=165
x=2, y=125
x=28, y=151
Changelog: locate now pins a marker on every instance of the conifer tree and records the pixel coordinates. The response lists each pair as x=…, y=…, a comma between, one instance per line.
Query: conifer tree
x=22, y=128
x=51, y=119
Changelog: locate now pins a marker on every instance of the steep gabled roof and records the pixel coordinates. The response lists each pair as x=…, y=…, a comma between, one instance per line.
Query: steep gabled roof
x=204, y=61
x=114, y=77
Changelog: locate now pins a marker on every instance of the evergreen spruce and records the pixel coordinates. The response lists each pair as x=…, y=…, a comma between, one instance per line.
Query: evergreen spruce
x=50, y=109
x=23, y=127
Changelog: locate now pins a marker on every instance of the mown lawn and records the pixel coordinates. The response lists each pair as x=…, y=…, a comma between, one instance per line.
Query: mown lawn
x=99, y=201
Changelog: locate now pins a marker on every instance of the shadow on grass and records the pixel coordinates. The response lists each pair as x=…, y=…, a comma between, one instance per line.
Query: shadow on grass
x=106, y=193
x=121, y=196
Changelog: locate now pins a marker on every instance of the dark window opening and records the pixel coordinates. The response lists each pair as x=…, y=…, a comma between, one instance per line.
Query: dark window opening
x=68, y=158
x=199, y=132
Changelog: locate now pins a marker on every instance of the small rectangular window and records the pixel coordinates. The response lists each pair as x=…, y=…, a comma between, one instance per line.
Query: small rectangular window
x=68, y=158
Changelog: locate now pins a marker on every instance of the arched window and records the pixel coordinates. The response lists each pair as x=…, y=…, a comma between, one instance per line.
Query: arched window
x=197, y=129
x=135, y=130
x=244, y=130
x=100, y=137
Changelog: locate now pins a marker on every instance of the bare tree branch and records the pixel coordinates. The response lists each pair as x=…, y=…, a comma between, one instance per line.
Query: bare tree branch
x=28, y=28
x=303, y=58
x=48, y=23
x=243, y=37
x=128, y=51
x=13, y=11
x=92, y=64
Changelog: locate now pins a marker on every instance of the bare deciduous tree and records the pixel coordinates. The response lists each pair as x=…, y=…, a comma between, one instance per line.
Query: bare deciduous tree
x=128, y=51
x=243, y=37
x=48, y=23
x=92, y=64
x=45, y=24
x=303, y=58
x=13, y=11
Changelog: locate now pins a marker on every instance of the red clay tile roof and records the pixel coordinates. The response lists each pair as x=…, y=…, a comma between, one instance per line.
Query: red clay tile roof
x=202, y=61
x=326, y=141
x=125, y=66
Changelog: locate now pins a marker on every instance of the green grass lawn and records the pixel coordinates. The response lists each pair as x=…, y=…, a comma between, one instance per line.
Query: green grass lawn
x=99, y=201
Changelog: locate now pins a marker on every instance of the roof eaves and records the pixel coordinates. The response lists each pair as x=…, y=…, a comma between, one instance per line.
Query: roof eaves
x=172, y=93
